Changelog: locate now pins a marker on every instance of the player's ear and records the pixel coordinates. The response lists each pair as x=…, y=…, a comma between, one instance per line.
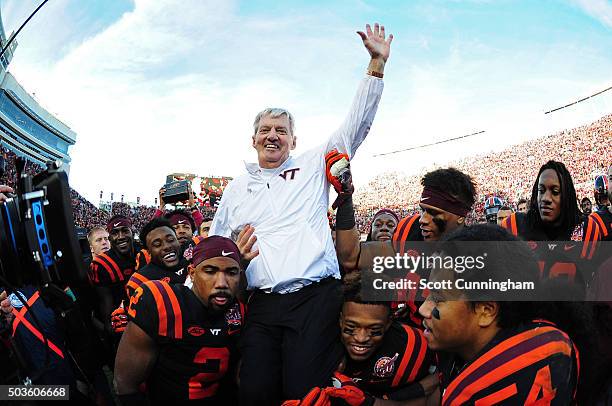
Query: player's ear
x=461, y=220
x=293, y=141
x=487, y=313
x=191, y=270
x=253, y=138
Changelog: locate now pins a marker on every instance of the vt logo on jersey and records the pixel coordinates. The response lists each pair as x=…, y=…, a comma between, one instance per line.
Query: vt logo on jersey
x=291, y=171
x=384, y=367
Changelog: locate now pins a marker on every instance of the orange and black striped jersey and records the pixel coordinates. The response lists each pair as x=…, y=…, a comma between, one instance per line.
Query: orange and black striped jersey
x=408, y=229
x=109, y=268
x=197, y=348
x=401, y=359
x=154, y=272
x=143, y=258
x=531, y=365
x=569, y=260
x=602, y=220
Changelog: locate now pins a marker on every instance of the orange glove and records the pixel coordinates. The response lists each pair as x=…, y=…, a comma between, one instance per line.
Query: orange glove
x=316, y=397
x=119, y=320
x=348, y=391
x=338, y=173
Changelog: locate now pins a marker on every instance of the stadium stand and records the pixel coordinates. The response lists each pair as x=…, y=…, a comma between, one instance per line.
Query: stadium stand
x=586, y=150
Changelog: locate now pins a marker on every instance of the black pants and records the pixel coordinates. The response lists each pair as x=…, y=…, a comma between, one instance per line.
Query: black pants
x=290, y=343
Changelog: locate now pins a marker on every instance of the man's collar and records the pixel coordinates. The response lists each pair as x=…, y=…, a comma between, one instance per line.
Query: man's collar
x=254, y=168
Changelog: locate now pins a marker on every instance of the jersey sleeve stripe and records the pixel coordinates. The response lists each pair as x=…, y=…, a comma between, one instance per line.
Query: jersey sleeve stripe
x=587, y=238
x=410, y=344
x=495, y=351
x=497, y=397
x=161, y=308
x=601, y=224
x=512, y=366
x=176, y=310
x=594, y=243
x=513, y=227
x=406, y=357
x=113, y=264
x=420, y=356
x=505, y=359
x=100, y=261
x=134, y=283
x=402, y=234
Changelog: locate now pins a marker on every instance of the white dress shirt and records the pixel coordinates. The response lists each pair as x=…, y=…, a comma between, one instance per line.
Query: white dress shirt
x=288, y=206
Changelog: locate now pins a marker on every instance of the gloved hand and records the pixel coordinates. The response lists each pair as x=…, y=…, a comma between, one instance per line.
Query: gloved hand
x=338, y=173
x=344, y=388
x=316, y=397
x=119, y=320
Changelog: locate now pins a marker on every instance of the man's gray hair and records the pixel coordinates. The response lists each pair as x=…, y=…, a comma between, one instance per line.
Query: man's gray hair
x=273, y=112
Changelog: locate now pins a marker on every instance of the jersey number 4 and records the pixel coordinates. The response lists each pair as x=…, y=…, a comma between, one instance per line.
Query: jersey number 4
x=205, y=384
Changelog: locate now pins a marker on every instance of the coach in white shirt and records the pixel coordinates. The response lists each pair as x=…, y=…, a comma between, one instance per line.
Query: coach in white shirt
x=290, y=342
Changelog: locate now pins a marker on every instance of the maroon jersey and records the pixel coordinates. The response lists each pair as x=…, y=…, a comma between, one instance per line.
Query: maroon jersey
x=153, y=272
x=533, y=364
x=401, y=360
x=408, y=229
x=197, y=348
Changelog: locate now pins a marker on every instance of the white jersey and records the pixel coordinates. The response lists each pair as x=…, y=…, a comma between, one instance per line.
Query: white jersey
x=288, y=206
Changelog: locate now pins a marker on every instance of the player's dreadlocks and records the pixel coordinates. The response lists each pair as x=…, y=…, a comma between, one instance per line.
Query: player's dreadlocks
x=570, y=214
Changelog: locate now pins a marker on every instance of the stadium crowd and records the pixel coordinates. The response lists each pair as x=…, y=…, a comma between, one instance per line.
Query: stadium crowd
x=586, y=150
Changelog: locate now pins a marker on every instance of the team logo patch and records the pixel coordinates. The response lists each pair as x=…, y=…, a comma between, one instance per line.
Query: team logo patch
x=384, y=367
x=188, y=253
x=233, y=317
x=196, y=331
x=532, y=244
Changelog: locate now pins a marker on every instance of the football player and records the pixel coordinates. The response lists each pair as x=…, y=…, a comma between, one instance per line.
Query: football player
x=448, y=196
x=182, y=341
x=492, y=205
x=166, y=264
x=109, y=271
x=383, y=225
x=496, y=350
x=603, y=215
x=553, y=215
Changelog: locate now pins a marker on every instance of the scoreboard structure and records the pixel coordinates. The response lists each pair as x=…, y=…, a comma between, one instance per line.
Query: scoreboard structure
x=208, y=189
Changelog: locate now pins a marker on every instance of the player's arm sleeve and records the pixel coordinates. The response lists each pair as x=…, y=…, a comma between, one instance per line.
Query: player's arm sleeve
x=198, y=218
x=357, y=124
x=135, y=359
x=98, y=274
x=143, y=310
x=416, y=360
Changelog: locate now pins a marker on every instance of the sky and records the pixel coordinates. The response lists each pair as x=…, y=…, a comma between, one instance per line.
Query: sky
x=153, y=87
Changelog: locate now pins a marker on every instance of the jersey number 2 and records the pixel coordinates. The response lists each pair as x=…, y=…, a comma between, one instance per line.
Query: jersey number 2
x=205, y=384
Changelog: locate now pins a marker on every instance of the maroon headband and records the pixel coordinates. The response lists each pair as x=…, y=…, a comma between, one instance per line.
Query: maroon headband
x=386, y=211
x=215, y=246
x=444, y=201
x=180, y=218
x=118, y=221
